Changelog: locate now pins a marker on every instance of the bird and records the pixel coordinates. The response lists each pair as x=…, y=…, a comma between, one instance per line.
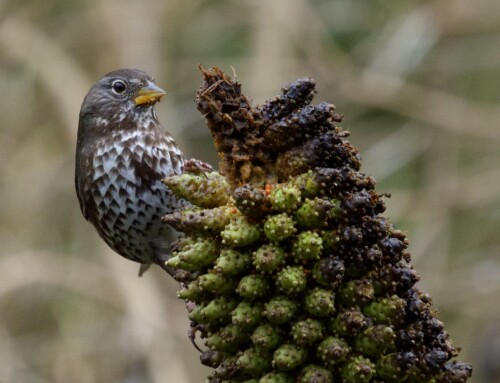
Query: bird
x=122, y=154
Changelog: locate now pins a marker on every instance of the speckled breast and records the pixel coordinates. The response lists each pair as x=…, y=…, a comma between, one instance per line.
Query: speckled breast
x=129, y=196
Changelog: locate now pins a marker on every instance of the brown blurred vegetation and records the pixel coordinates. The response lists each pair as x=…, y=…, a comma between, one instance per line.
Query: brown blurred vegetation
x=418, y=82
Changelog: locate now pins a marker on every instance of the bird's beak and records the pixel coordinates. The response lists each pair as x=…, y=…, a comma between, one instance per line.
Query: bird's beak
x=149, y=94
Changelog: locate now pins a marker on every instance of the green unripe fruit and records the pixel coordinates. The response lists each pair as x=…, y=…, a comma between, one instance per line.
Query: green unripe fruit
x=200, y=252
x=217, y=310
x=284, y=198
x=280, y=310
x=246, y=314
x=193, y=292
x=197, y=221
x=195, y=313
x=228, y=339
x=319, y=302
x=331, y=240
x=206, y=190
x=314, y=213
x=216, y=283
x=176, y=263
x=375, y=340
x=315, y=374
x=279, y=227
x=266, y=336
x=389, y=311
x=307, y=331
x=333, y=351
x=255, y=361
x=357, y=370
x=355, y=292
x=392, y=368
x=232, y=262
x=239, y=232
x=291, y=280
x=307, y=184
x=349, y=323
x=253, y=286
x=215, y=342
x=289, y=356
x=307, y=246
x=268, y=257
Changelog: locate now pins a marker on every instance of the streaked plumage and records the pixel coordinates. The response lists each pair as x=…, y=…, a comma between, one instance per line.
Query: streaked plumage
x=121, y=157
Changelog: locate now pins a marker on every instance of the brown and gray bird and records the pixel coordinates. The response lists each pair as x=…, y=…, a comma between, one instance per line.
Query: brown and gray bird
x=121, y=156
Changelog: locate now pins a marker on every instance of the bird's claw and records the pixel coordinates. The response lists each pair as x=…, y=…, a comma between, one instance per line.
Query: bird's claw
x=192, y=335
x=196, y=166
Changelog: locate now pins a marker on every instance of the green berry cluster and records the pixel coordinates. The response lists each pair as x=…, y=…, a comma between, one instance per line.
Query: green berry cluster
x=291, y=272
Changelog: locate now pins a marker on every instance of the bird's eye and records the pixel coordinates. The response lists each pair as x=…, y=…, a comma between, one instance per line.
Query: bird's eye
x=118, y=86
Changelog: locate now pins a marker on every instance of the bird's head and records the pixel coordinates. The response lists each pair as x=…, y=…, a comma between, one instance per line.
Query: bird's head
x=119, y=96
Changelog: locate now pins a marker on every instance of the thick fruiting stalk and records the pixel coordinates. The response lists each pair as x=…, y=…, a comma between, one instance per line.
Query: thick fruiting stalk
x=291, y=272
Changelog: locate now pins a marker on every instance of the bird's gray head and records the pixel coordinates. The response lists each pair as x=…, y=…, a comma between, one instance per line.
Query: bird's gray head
x=119, y=96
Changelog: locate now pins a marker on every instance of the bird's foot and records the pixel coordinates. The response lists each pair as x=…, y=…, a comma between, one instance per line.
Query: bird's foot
x=196, y=166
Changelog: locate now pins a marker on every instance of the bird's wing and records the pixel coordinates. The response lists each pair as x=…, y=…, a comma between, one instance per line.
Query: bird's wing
x=85, y=198
x=80, y=195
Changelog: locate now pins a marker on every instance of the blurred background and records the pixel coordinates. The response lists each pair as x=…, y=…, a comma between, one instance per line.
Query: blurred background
x=418, y=82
